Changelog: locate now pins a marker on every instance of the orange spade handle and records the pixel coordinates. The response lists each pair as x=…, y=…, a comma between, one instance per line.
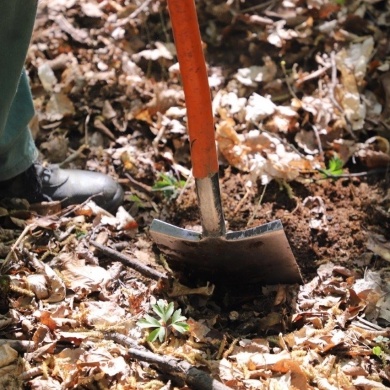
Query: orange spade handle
x=196, y=87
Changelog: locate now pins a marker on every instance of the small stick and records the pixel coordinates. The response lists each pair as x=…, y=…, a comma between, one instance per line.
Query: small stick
x=293, y=94
x=16, y=243
x=314, y=74
x=135, y=13
x=242, y=201
x=186, y=185
x=196, y=379
x=316, y=133
x=349, y=175
x=76, y=154
x=135, y=264
x=139, y=186
x=257, y=206
x=257, y=7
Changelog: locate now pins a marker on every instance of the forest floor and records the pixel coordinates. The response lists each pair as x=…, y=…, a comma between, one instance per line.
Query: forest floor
x=301, y=99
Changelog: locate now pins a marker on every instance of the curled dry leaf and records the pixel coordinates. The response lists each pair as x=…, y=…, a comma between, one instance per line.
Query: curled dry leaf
x=231, y=146
x=38, y=285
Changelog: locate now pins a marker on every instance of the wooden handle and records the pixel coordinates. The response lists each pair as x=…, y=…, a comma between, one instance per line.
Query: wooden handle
x=196, y=87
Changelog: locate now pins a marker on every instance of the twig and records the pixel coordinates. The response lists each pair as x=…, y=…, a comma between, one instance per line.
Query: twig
x=242, y=201
x=293, y=94
x=196, y=379
x=257, y=7
x=186, y=185
x=257, y=206
x=104, y=129
x=74, y=155
x=318, y=142
x=139, y=186
x=157, y=139
x=16, y=243
x=314, y=74
x=349, y=175
x=78, y=35
x=139, y=9
x=135, y=264
x=364, y=324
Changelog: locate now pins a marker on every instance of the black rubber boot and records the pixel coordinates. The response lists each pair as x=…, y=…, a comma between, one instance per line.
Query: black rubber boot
x=70, y=186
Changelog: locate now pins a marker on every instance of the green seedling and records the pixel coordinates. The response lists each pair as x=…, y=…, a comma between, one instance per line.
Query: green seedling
x=335, y=168
x=382, y=348
x=169, y=320
x=169, y=185
x=137, y=201
x=377, y=351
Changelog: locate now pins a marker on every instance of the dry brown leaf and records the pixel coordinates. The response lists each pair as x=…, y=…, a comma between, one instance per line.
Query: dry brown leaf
x=59, y=106
x=198, y=329
x=102, y=314
x=84, y=279
x=7, y=355
x=298, y=378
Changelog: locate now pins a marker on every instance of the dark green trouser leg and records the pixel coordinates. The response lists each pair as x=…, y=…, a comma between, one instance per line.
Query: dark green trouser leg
x=17, y=149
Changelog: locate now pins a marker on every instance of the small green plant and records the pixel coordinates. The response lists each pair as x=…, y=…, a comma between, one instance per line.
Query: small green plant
x=136, y=200
x=335, y=168
x=169, y=320
x=168, y=184
x=377, y=351
x=382, y=348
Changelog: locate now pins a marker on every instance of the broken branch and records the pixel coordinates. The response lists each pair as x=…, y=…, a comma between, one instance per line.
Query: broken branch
x=135, y=264
x=192, y=376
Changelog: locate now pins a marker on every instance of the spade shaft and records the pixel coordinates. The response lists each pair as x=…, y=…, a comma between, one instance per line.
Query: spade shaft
x=199, y=114
x=260, y=254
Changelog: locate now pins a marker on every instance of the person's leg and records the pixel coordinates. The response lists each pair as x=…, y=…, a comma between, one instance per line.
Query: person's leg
x=20, y=177
x=17, y=149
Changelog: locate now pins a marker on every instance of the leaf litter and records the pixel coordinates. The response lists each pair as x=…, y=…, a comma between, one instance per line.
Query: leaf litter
x=306, y=85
